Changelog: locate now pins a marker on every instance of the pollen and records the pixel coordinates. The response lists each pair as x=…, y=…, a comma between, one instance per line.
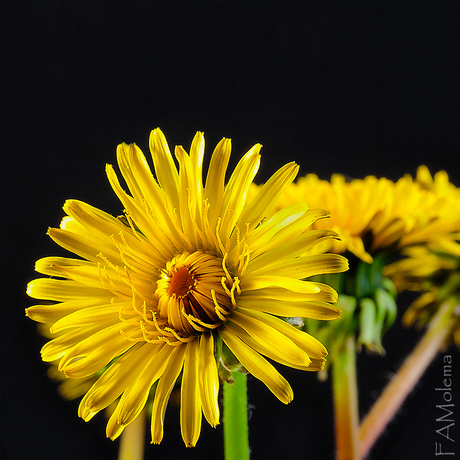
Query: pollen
x=181, y=282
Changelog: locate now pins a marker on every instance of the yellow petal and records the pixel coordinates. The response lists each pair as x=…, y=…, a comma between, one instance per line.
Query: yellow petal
x=318, y=292
x=209, y=379
x=165, y=168
x=305, y=266
x=81, y=271
x=313, y=310
x=51, y=313
x=93, y=354
x=289, y=248
x=260, y=348
x=272, y=339
x=87, y=317
x=237, y=188
x=115, y=380
x=259, y=367
x=159, y=240
x=306, y=342
x=197, y=157
x=134, y=398
x=190, y=406
x=273, y=281
x=215, y=179
x=56, y=348
x=163, y=391
x=189, y=196
x=85, y=245
x=269, y=192
x=149, y=189
x=284, y=226
x=61, y=290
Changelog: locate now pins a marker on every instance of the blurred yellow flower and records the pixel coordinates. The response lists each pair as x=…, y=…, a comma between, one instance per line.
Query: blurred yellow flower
x=191, y=274
x=374, y=214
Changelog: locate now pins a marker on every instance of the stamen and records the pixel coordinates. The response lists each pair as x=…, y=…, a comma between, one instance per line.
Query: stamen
x=147, y=338
x=219, y=240
x=218, y=309
x=224, y=266
x=192, y=320
x=178, y=337
x=107, y=280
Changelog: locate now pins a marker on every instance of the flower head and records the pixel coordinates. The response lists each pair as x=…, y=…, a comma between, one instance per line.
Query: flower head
x=376, y=219
x=375, y=214
x=188, y=270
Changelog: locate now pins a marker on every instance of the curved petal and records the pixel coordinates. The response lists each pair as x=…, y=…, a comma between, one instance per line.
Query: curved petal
x=114, y=380
x=284, y=226
x=93, y=353
x=197, y=157
x=314, y=310
x=305, y=266
x=237, y=188
x=259, y=367
x=81, y=271
x=289, y=248
x=135, y=396
x=274, y=281
x=260, y=348
x=279, y=344
x=86, y=317
x=306, y=342
x=84, y=244
x=56, y=348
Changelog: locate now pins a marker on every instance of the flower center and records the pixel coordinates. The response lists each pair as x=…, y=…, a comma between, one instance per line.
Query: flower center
x=195, y=293
x=181, y=282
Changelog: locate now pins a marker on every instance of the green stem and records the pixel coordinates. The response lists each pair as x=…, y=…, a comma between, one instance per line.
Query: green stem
x=406, y=378
x=345, y=392
x=236, y=442
x=132, y=440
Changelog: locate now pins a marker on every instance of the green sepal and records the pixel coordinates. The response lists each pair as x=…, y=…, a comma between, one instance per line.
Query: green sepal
x=367, y=324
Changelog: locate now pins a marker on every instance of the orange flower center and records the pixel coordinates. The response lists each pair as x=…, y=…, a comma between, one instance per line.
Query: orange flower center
x=195, y=293
x=181, y=282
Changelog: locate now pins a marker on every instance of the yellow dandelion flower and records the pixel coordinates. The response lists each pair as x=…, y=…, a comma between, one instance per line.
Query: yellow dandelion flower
x=190, y=269
x=431, y=263
x=372, y=214
x=353, y=206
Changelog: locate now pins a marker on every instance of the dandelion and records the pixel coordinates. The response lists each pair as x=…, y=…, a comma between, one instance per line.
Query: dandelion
x=375, y=214
x=191, y=278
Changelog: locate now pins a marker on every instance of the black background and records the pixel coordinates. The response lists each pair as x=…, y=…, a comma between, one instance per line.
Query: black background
x=357, y=87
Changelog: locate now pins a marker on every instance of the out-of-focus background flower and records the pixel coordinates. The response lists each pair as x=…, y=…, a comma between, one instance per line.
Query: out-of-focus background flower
x=351, y=87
